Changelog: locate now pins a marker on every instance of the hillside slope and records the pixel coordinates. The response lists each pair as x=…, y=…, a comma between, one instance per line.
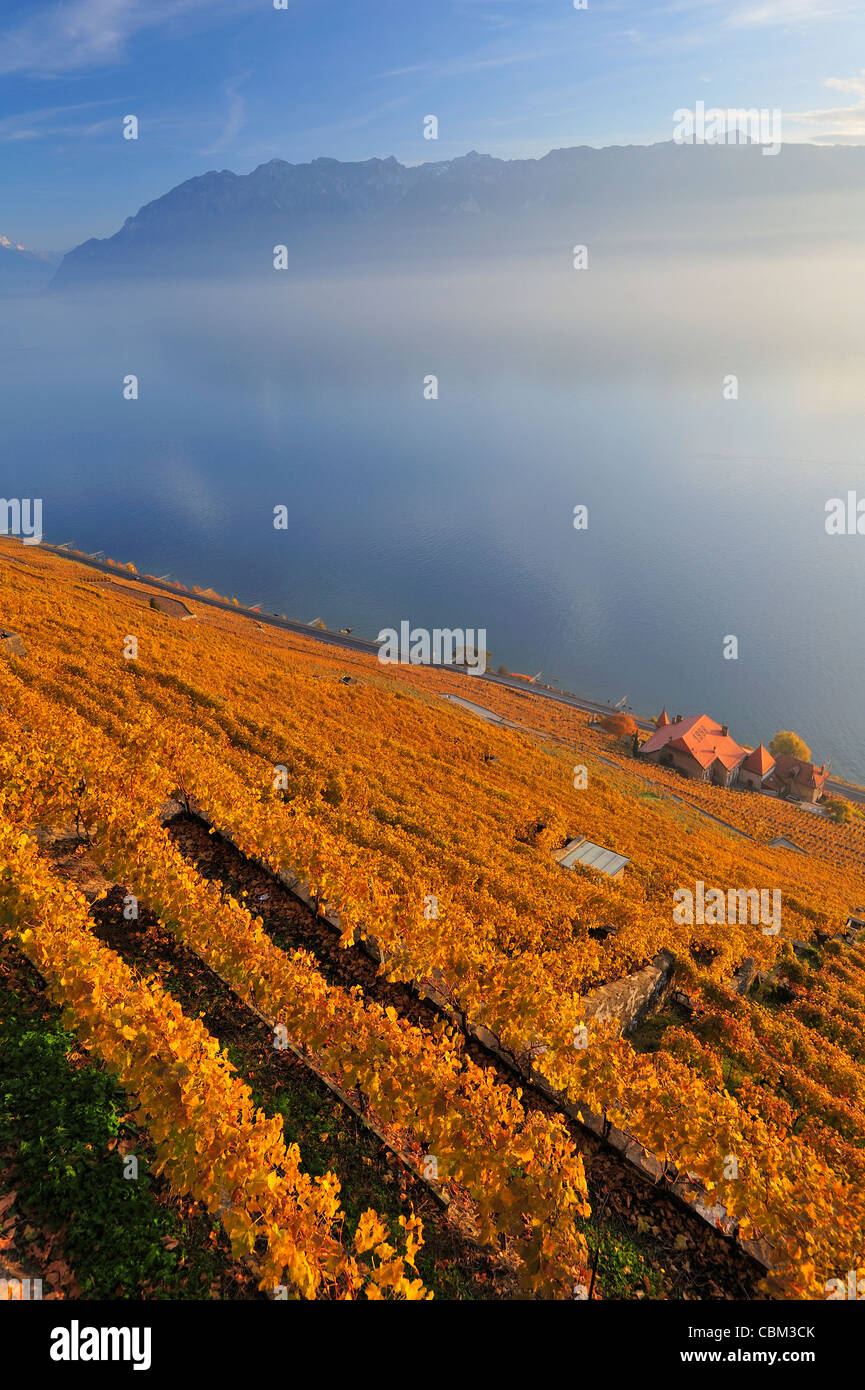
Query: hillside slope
x=433, y=833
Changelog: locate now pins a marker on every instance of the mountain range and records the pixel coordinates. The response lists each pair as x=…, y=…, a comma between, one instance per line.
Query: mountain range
x=332, y=215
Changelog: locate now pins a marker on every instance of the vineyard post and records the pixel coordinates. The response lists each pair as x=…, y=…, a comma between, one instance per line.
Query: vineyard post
x=80, y=790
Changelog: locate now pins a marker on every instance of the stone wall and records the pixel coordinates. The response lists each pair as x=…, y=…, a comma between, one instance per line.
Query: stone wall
x=634, y=997
x=11, y=643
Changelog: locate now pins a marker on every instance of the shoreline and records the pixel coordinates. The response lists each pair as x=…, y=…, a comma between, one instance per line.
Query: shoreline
x=851, y=791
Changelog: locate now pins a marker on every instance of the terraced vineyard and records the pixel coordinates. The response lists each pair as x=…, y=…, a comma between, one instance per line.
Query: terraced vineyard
x=425, y=837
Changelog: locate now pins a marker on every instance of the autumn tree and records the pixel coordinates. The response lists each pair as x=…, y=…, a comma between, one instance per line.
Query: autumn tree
x=785, y=741
x=621, y=725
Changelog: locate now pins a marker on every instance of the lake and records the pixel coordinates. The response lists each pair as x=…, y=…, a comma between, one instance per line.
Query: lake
x=706, y=514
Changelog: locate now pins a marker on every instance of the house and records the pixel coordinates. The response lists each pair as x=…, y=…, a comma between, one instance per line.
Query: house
x=756, y=768
x=796, y=780
x=582, y=851
x=697, y=747
x=852, y=927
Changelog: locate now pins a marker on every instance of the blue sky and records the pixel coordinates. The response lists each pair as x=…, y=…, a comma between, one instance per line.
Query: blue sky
x=231, y=83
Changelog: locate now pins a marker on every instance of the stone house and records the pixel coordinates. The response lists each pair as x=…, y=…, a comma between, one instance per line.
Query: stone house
x=696, y=746
x=797, y=780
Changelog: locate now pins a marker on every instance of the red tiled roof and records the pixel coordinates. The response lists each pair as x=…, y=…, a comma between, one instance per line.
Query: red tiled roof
x=759, y=761
x=789, y=769
x=701, y=737
x=668, y=732
x=662, y=719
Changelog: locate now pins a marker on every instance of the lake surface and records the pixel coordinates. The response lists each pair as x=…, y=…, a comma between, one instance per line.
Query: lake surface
x=706, y=515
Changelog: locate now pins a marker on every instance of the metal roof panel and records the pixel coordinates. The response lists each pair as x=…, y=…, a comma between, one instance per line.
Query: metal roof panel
x=606, y=861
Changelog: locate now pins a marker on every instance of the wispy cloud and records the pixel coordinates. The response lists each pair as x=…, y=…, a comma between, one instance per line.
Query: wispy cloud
x=837, y=124
x=848, y=84
x=236, y=116
x=464, y=67
x=773, y=13
x=84, y=34
x=334, y=129
x=768, y=14
x=46, y=121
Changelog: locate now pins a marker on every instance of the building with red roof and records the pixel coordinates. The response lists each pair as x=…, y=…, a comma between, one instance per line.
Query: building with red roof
x=756, y=768
x=698, y=747
x=797, y=780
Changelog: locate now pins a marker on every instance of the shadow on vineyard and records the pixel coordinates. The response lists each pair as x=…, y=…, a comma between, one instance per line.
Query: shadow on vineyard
x=331, y=1137
x=75, y=1220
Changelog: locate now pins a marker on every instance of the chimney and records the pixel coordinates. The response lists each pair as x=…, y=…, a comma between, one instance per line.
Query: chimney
x=678, y=719
x=725, y=729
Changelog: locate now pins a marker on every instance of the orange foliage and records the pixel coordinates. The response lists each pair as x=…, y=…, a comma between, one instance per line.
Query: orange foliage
x=380, y=795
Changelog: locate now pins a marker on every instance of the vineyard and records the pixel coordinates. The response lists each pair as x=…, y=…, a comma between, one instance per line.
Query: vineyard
x=161, y=756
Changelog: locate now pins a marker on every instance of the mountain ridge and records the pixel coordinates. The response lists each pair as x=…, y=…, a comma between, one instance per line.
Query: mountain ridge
x=222, y=222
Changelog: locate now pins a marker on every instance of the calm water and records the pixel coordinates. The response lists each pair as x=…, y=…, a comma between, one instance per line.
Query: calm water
x=706, y=515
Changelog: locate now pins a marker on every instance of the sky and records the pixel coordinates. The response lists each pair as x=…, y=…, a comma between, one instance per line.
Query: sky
x=230, y=84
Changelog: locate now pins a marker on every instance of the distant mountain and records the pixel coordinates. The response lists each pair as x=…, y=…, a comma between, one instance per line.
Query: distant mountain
x=332, y=215
x=23, y=271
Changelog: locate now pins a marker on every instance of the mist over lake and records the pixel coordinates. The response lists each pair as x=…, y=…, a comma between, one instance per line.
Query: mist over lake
x=555, y=388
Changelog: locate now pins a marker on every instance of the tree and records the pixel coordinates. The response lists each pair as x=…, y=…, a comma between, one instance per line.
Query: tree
x=839, y=810
x=785, y=741
x=477, y=656
x=622, y=725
